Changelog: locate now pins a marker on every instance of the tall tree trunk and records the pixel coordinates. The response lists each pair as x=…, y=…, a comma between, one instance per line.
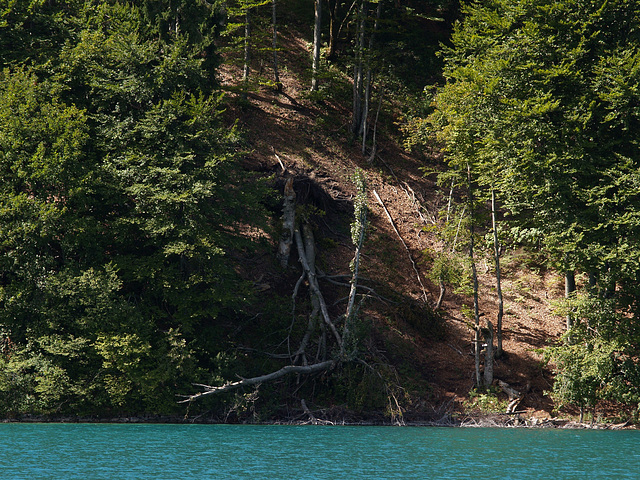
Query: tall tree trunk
x=274, y=23
x=317, y=39
x=365, y=110
x=333, y=19
x=569, y=288
x=356, y=122
x=374, y=145
x=476, y=315
x=488, y=356
x=334, y=33
x=369, y=80
x=247, y=50
x=474, y=273
x=496, y=253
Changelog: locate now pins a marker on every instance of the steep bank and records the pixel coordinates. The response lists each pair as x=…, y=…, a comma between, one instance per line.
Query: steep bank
x=292, y=133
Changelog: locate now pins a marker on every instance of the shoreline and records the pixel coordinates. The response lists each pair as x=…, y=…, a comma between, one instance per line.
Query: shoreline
x=468, y=421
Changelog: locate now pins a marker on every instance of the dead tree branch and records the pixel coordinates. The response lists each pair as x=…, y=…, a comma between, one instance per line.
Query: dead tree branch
x=246, y=382
x=413, y=263
x=313, y=284
x=288, y=220
x=305, y=244
x=369, y=290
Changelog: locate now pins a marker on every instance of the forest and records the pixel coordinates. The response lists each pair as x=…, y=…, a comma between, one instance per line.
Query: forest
x=275, y=210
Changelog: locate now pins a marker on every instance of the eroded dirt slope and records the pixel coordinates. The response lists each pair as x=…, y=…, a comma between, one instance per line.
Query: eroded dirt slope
x=291, y=135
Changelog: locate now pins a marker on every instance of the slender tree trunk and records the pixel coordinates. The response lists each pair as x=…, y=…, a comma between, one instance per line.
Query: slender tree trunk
x=334, y=33
x=367, y=94
x=310, y=253
x=455, y=239
x=569, y=288
x=474, y=273
x=443, y=290
x=365, y=111
x=356, y=123
x=348, y=322
x=274, y=23
x=333, y=19
x=247, y=50
x=449, y=201
x=374, y=145
x=476, y=316
x=488, y=357
x=315, y=289
x=317, y=39
x=496, y=250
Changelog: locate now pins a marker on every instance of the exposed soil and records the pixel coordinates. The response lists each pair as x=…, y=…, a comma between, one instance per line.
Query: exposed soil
x=289, y=134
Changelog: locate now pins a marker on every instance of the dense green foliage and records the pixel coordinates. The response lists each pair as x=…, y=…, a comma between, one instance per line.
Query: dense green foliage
x=120, y=197
x=122, y=200
x=541, y=104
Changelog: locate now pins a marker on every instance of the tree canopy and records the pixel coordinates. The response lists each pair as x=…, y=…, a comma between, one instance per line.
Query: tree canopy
x=119, y=201
x=541, y=103
x=124, y=206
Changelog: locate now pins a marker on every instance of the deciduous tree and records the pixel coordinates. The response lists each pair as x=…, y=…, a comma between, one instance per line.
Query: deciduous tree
x=532, y=106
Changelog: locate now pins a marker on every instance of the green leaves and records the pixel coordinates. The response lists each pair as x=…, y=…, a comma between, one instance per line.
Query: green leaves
x=120, y=199
x=41, y=139
x=521, y=107
x=542, y=104
x=592, y=364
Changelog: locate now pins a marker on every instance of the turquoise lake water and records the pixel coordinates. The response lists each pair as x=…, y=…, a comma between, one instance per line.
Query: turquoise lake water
x=114, y=451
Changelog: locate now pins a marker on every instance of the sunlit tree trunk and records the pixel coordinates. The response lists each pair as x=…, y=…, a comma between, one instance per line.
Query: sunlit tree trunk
x=496, y=253
x=247, y=47
x=474, y=274
x=317, y=38
x=274, y=24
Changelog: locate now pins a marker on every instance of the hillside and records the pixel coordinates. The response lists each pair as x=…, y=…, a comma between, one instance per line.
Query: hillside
x=182, y=217
x=291, y=134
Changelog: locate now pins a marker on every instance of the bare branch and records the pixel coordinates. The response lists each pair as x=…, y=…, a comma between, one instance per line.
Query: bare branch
x=313, y=284
x=245, y=382
x=395, y=229
x=284, y=169
x=288, y=221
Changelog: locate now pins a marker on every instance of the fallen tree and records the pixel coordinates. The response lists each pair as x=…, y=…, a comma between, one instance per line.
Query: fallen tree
x=247, y=382
x=345, y=348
